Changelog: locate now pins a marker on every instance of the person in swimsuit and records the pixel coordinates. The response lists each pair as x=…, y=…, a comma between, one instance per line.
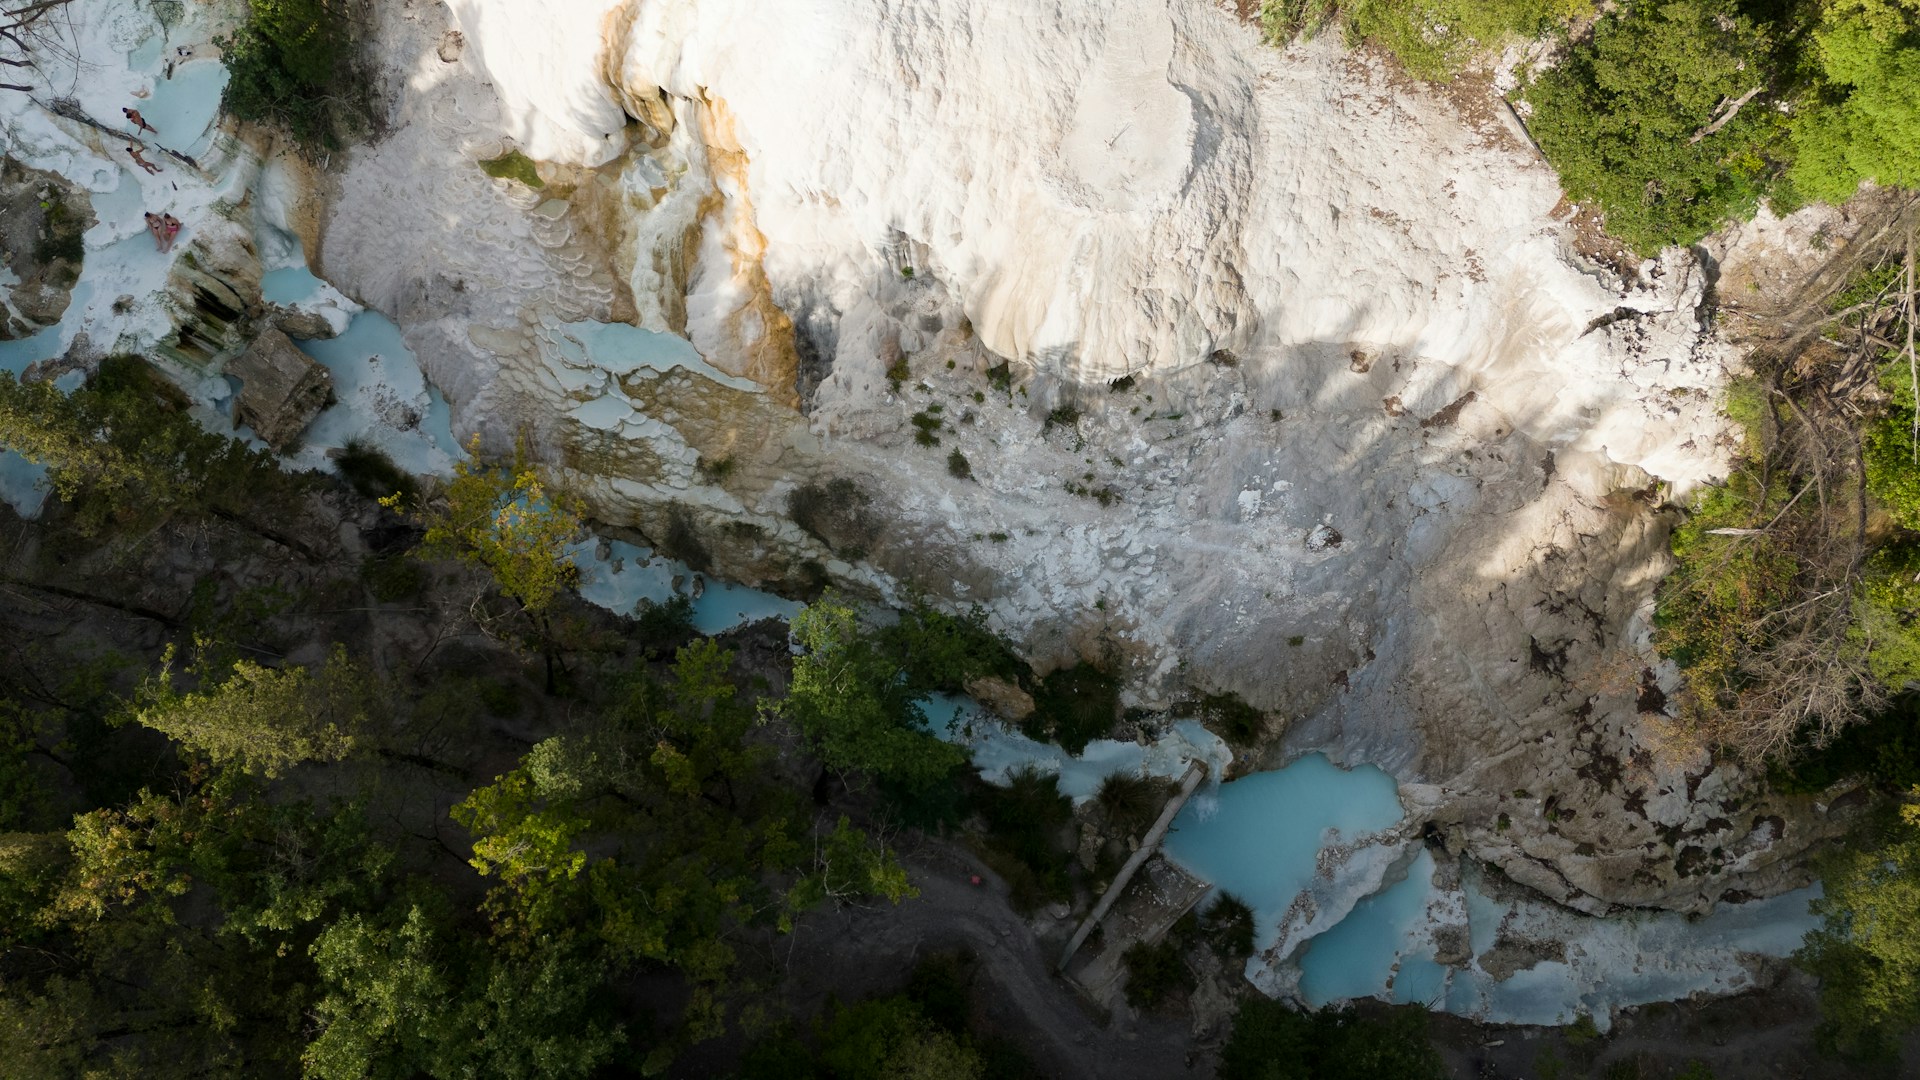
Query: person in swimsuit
x=133, y=117
x=134, y=152
x=170, y=225
x=158, y=228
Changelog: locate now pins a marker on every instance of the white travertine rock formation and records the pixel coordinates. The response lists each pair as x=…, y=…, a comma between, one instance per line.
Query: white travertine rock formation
x=1389, y=462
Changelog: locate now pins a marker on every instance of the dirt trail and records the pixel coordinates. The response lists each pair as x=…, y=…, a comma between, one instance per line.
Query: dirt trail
x=861, y=951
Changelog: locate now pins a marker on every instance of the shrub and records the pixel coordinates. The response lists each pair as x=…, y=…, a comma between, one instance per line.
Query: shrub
x=925, y=425
x=1023, y=819
x=1864, y=123
x=123, y=451
x=663, y=627
x=368, y=470
x=1285, y=20
x=958, y=466
x=1272, y=1042
x=940, y=652
x=393, y=579
x=1132, y=802
x=1619, y=115
x=292, y=64
x=1434, y=39
x=1236, y=721
x=63, y=235
x=1074, y=706
x=888, y=1038
x=1866, y=953
x=835, y=513
x=1892, y=476
x=1155, y=973
x=1228, y=926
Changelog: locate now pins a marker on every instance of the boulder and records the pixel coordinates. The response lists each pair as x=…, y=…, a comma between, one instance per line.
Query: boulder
x=302, y=323
x=281, y=389
x=1004, y=699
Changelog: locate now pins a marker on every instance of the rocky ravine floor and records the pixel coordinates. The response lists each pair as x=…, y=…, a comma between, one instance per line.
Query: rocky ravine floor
x=1422, y=533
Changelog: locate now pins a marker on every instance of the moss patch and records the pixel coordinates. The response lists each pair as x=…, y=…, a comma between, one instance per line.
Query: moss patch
x=514, y=165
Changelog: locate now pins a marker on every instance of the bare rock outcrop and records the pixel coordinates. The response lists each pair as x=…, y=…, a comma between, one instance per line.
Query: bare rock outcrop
x=1270, y=376
x=42, y=217
x=281, y=389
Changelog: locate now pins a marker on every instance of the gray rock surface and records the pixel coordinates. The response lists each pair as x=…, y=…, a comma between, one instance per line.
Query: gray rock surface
x=281, y=390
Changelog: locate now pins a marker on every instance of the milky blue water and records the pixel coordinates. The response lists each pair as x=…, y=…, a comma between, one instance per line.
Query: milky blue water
x=381, y=398
x=998, y=750
x=182, y=109
x=1359, y=956
x=622, y=349
x=21, y=484
x=630, y=574
x=1258, y=837
x=289, y=285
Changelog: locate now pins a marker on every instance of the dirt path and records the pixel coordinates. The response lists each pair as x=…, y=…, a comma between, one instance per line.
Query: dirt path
x=857, y=952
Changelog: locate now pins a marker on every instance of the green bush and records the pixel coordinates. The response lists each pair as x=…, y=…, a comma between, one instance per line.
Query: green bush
x=1892, y=476
x=662, y=627
x=1238, y=722
x=889, y=1038
x=1285, y=20
x=1228, y=926
x=63, y=237
x=1131, y=802
x=1617, y=117
x=1074, y=706
x=1272, y=1042
x=368, y=470
x=1023, y=819
x=124, y=453
x=514, y=165
x=940, y=652
x=292, y=64
x=958, y=466
x=1155, y=973
x=1863, y=123
x=1434, y=39
x=1866, y=953
x=393, y=579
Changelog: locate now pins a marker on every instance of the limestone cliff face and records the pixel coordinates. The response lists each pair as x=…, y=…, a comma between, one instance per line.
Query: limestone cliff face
x=1269, y=376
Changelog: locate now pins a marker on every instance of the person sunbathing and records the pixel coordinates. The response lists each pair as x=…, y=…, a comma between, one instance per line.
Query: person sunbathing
x=171, y=226
x=133, y=117
x=134, y=152
x=158, y=228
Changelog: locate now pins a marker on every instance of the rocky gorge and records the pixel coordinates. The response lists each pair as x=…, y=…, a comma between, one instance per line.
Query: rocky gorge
x=1236, y=372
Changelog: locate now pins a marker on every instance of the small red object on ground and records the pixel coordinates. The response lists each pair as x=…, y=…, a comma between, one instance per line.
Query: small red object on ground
x=975, y=879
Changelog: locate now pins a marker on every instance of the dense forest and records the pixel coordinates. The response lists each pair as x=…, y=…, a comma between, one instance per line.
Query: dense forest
x=333, y=776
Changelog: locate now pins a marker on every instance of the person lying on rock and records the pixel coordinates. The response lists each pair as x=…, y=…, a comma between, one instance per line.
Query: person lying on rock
x=134, y=152
x=159, y=230
x=133, y=117
x=171, y=226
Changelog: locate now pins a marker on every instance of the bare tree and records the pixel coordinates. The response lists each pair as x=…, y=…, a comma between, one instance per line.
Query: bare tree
x=1769, y=605
x=23, y=28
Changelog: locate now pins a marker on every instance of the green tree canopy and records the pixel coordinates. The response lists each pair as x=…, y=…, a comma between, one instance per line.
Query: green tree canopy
x=1866, y=952
x=1642, y=119
x=1865, y=123
x=856, y=706
x=262, y=719
x=122, y=451
x=503, y=520
x=1272, y=1042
